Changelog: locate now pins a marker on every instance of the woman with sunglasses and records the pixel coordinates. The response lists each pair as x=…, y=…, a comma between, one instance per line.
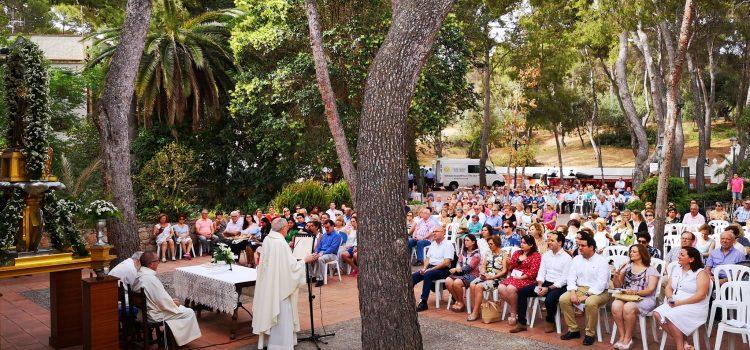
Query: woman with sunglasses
x=523, y=267
x=466, y=270
x=622, y=233
x=492, y=268
x=718, y=213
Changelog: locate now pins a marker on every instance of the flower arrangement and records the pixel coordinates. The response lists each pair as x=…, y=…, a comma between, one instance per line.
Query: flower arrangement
x=101, y=210
x=10, y=218
x=58, y=222
x=223, y=254
x=27, y=90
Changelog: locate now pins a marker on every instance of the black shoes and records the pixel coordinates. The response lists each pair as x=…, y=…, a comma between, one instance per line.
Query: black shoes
x=417, y=263
x=422, y=306
x=570, y=335
x=588, y=340
x=319, y=284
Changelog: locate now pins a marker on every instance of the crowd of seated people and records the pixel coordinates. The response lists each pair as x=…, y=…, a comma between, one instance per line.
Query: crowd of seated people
x=506, y=247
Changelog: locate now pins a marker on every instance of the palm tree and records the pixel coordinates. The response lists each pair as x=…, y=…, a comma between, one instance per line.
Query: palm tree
x=185, y=68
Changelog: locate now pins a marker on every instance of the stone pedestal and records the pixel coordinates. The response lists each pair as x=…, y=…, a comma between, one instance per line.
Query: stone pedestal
x=100, y=317
x=65, y=308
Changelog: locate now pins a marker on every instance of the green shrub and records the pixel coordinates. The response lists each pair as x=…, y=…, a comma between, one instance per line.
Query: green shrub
x=339, y=193
x=676, y=192
x=636, y=205
x=307, y=194
x=618, y=138
x=716, y=193
x=166, y=182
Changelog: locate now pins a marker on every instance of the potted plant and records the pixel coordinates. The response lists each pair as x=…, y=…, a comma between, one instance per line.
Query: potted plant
x=97, y=212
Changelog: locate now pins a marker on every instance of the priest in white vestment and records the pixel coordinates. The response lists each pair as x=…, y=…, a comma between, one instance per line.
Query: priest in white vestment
x=161, y=307
x=127, y=270
x=275, y=316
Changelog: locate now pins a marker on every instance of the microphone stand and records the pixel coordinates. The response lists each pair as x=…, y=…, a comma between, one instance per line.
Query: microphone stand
x=314, y=338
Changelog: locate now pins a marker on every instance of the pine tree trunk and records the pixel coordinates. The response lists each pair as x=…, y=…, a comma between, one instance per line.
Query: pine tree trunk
x=711, y=102
x=698, y=117
x=386, y=298
x=486, y=72
x=329, y=99
x=671, y=120
x=559, y=151
x=591, y=127
x=114, y=110
x=628, y=107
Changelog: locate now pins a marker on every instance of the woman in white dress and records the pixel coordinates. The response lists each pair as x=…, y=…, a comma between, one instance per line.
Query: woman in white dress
x=163, y=234
x=686, y=297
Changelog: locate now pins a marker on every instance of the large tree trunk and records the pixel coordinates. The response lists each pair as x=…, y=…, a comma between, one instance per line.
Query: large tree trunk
x=656, y=81
x=329, y=99
x=486, y=72
x=711, y=101
x=559, y=151
x=591, y=127
x=672, y=118
x=386, y=297
x=114, y=110
x=679, y=143
x=698, y=117
x=628, y=107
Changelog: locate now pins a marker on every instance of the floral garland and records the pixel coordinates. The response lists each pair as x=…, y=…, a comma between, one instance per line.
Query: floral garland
x=59, y=225
x=27, y=93
x=10, y=218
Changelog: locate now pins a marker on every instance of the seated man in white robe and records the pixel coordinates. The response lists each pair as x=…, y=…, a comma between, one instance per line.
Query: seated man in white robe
x=280, y=275
x=127, y=270
x=161, y=307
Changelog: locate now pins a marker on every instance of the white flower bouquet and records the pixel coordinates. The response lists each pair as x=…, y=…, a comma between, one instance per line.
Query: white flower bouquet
x=223, y=254
x=101, y=210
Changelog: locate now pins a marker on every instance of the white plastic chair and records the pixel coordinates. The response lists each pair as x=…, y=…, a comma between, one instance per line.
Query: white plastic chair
x=329, y=265
x=658, y=264
x=578, y=206
x=732, y=273
x=179, y=250
x=510, y=250
x=536, y=305
x=158, y=252
x=674, y=229
x=737, y=292
x=615, y=250
x=671, y=242
x=719, y=226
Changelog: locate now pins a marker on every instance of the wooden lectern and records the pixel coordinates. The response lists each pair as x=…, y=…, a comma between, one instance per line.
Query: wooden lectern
x=100, y=323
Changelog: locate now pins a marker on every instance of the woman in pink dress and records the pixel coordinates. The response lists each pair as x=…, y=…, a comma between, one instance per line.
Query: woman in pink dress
x=523, y=267
x=550, y=217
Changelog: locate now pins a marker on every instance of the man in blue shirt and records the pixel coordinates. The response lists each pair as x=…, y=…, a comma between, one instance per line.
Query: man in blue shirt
x=725, y=254
x=495, y=220
x=326, y=251
x=603, y=207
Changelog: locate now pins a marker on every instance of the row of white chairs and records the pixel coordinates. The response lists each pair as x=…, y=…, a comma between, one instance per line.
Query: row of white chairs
x=733, y=295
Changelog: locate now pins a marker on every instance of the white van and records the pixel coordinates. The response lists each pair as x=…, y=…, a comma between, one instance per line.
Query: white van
x=464, y=172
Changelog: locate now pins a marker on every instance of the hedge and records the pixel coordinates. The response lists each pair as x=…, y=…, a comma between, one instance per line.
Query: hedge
x=677, y=192
x=312, y=193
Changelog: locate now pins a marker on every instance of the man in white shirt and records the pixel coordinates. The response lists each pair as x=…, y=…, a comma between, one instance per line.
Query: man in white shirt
x=163, y=308
x=127, y=270
x=694, y=217
x=620, y=185
x=234, y=226
x=550, y=282
x=438, y=204
x=331, y=210
x=437, y=263
x=588, y=279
